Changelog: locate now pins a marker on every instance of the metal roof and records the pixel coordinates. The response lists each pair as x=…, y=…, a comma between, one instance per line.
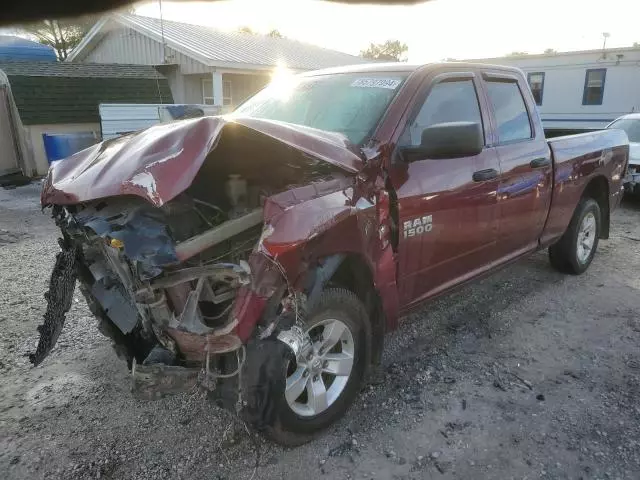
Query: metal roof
x=75, y=70
x=213, y=47
x=57, y=93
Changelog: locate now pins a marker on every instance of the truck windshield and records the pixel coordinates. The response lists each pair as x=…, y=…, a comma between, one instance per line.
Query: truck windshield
x=631, y=126
x=351, y=104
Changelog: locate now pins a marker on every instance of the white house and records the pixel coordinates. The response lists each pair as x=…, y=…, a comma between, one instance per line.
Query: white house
x=578, y=91
x=203, y=65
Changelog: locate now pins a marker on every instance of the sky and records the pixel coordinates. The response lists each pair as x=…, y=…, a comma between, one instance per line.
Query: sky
x=434, y=30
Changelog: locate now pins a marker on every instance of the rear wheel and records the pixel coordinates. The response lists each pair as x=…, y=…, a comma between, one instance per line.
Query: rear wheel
x=574, y=251
x=321, y=386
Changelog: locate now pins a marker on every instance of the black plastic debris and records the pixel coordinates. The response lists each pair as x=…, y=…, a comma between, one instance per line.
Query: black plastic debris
x=264, y=380
x=59, y=298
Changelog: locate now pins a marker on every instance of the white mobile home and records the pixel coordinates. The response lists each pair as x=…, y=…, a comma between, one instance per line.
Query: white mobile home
x=579, y=91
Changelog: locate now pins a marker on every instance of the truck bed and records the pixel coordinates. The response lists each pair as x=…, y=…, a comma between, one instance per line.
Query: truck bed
x=578, y=160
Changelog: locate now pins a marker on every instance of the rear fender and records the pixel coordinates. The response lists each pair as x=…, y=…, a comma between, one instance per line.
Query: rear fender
x=598, y=173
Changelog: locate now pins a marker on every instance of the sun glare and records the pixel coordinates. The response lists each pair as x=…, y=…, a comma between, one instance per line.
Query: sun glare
x=283, y=81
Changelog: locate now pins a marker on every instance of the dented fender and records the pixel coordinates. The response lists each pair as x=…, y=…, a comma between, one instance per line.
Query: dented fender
x=315, y=236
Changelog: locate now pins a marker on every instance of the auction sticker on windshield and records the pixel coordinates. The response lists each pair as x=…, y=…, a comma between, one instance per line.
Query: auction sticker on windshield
x=390, y=83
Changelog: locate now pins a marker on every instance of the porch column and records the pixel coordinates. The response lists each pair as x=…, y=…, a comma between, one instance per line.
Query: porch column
x=217, y=88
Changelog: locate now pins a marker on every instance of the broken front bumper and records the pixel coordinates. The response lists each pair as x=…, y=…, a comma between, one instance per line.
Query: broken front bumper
x=210, y=325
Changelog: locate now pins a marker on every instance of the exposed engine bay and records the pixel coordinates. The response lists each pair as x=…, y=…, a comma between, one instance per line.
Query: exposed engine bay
x=162, y=281
x=152, y=271
x=200, y=245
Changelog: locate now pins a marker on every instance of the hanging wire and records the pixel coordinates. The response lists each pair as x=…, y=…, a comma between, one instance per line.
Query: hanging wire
x=164, y=51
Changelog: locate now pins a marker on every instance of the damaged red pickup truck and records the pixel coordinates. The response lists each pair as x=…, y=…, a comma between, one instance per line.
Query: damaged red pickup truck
x=264, y=255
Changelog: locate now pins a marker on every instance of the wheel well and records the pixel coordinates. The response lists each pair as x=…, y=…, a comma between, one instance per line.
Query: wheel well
x=355, y=275
x=598, y=189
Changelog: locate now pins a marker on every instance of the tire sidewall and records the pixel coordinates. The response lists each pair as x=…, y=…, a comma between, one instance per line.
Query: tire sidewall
x=351, y=316
x=588, y=206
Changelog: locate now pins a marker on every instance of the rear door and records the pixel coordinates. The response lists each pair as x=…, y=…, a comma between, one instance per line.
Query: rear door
x=447, y=220
x=524, y=190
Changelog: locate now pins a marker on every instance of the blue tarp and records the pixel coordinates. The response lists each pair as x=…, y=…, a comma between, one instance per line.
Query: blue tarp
x=17, y=48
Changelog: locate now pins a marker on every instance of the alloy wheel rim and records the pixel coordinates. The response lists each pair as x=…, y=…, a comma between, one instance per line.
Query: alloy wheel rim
x=321, y=373
x=586, y=237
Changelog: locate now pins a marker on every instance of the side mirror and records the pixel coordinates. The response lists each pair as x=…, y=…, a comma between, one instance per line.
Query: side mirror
x=447, y=140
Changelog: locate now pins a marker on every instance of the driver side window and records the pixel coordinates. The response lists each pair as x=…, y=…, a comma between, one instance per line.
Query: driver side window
x=453, y=101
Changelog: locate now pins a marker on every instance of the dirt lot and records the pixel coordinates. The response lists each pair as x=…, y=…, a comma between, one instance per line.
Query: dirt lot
x=527, y=374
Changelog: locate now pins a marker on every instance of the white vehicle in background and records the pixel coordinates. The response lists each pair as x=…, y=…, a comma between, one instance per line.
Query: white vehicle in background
x=631, y=125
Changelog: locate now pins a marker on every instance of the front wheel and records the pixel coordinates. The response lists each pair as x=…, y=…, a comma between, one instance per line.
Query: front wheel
x=321, y=386
x=575, y=250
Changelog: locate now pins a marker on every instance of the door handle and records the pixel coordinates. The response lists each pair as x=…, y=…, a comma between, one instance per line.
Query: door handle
x=484, y=175
x=540, y=162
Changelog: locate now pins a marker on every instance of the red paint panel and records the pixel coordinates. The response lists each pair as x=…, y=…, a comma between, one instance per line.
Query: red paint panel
x=524, y=194
x=162, y=161
x=247, y=308
x=463, y=216
x=577, y=160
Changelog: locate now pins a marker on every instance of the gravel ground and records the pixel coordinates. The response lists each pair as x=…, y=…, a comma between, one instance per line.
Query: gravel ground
x=526, y=374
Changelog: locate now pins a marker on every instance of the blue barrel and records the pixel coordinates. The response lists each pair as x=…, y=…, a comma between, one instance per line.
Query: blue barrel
x=62, y=145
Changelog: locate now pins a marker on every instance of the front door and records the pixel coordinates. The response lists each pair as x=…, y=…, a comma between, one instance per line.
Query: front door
x=447, y=207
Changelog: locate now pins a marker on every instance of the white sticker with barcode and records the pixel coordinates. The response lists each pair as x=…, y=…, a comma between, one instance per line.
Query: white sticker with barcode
x=390, y=83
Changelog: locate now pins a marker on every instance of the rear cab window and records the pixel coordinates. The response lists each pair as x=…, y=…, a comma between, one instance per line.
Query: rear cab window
x=509, y=110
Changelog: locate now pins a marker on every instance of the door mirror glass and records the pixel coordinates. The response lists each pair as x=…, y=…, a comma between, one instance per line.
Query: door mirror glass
x=447, y=140
x=453, y=139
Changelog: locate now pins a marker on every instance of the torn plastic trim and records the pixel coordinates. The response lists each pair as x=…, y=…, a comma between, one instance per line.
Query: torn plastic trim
x=59, y=299
x=323, y=274
x=137, y=230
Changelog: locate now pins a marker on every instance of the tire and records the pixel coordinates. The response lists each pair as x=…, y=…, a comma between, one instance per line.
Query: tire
x=567, y=256
x=293, y=425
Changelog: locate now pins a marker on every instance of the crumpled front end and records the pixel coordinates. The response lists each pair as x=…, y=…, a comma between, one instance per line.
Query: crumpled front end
x=145, y=282
x=186, y=290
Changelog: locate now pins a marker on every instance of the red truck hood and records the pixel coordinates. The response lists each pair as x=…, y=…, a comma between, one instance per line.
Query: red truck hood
x=161, y=162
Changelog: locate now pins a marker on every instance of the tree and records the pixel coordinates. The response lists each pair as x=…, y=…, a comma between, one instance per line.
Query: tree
x=246, y=30
x=275, y=34
x=550, y=51
x=62, y=35
x=517, y=54
x=391, y=50
x=636, y=44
